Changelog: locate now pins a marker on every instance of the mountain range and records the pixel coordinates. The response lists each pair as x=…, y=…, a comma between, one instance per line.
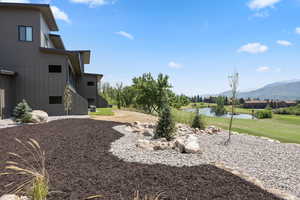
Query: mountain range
x=286, y=90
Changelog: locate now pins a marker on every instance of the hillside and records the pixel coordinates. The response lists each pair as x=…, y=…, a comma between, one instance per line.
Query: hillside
x=288, y=90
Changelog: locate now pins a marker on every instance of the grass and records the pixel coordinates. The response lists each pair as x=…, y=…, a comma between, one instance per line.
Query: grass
x=285, y=128
x=103, y=112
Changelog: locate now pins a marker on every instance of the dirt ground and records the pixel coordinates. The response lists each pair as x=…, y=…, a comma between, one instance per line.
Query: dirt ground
x=80, y=165
x=124, y=116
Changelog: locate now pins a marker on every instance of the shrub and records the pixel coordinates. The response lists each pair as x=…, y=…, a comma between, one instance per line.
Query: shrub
x=263, y=114
x=219, y=109
x=198, y=121
x=22, y=112
x=294, y=110
x=166, y=125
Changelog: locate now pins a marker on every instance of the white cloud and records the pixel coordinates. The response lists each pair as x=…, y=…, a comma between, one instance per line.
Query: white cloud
x=59, y=14
x=125, y=34
x=253, y=48
x=260, y=4
x=175, y=65
x=263, y=69
x=297, y=30
x=93, y=3
x=15, y=1
x=284, y=43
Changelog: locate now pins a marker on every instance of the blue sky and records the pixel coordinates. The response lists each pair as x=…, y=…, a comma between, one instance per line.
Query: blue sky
x=198, y=43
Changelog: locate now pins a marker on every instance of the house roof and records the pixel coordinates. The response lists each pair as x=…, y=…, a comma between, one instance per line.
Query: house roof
x=85, y=55
x=43, y=8
x=57, y=41
x=98, y=76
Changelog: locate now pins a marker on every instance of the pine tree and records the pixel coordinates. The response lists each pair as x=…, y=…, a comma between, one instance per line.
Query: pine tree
x=197, y=121
x=22, y=112
x=166, y=125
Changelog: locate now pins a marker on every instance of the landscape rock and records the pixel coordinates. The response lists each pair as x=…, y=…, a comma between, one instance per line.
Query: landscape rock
x=39, y=116
x=148, y=132
x=187, y=144
x=145, y=144
x=13, y=197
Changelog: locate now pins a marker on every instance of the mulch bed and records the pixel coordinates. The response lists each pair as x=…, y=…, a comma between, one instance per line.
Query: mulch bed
x=80, y=165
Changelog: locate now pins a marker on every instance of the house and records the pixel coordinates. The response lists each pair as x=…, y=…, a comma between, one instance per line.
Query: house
x=36, y=66
x=258, y=104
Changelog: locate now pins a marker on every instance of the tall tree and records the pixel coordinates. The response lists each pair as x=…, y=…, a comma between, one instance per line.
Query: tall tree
x=68, y=99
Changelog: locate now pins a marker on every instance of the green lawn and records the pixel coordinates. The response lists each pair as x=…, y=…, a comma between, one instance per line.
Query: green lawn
x=285, y=128
x=103, y=112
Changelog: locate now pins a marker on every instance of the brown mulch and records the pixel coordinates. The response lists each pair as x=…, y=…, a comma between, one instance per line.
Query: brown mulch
x=80, y=165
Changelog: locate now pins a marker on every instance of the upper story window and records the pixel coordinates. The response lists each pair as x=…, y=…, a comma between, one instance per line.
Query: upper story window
x=91, y=83
x=25, y=33
x=46, y=41
x=54, y=68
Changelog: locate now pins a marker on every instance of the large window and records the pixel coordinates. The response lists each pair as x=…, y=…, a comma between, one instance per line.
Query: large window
x=55, y=100
x=54, y=68
x=91, y=83
x=25, y=33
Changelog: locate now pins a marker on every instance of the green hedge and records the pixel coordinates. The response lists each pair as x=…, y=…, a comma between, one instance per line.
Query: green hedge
x=263, y=114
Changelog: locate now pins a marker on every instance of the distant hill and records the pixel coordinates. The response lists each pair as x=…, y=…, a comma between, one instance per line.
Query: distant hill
x=287, y=90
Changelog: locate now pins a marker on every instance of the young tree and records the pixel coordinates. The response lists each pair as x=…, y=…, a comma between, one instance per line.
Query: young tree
x=166, y=125
x=119, y=96
x=22, y=112
x=219, y=109
x=233, y=83
x=68, y=99
x=198, y=121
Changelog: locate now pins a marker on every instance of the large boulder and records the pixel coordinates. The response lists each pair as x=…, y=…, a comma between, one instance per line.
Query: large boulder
x=13, y=197
x=39, y=116
x=187, y=144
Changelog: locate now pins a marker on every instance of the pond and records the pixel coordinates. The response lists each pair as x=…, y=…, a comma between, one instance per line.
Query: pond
x=207, y=112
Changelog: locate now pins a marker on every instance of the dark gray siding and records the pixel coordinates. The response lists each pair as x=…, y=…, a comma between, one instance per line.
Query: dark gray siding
x=7, y=94
x=91, y=92
x=33, y=82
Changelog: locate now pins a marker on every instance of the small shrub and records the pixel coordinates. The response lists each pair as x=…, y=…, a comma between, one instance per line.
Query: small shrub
x=198, y=121
x=22, y=112
x=263, y=114
x=166, y=125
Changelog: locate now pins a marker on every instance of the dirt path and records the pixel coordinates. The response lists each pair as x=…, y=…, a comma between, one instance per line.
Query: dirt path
x=80, y=165
x=124, y=116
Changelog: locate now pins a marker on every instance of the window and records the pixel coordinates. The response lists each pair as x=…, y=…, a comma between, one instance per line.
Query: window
x=54, y=68
x=46, y=40
x=91, y=101
x=55, y=100
x=91, y=83
x=25, y=33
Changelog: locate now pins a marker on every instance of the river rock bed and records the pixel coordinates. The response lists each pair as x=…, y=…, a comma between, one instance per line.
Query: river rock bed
x=275, y=164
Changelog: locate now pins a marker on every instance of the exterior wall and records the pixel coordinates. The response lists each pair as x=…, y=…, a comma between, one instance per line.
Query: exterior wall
x=33, y=82
x=88, y=92
x=7, y=94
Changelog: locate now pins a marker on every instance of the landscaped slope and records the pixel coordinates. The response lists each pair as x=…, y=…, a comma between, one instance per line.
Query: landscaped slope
x=80, y=165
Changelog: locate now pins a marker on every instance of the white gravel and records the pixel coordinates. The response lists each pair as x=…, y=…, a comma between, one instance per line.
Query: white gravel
x=6, y=123
x=277, y=165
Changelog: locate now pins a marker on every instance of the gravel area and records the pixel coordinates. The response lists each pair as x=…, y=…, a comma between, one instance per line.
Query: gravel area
x=7, y=123
x=277, y=165
x=80, y=165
